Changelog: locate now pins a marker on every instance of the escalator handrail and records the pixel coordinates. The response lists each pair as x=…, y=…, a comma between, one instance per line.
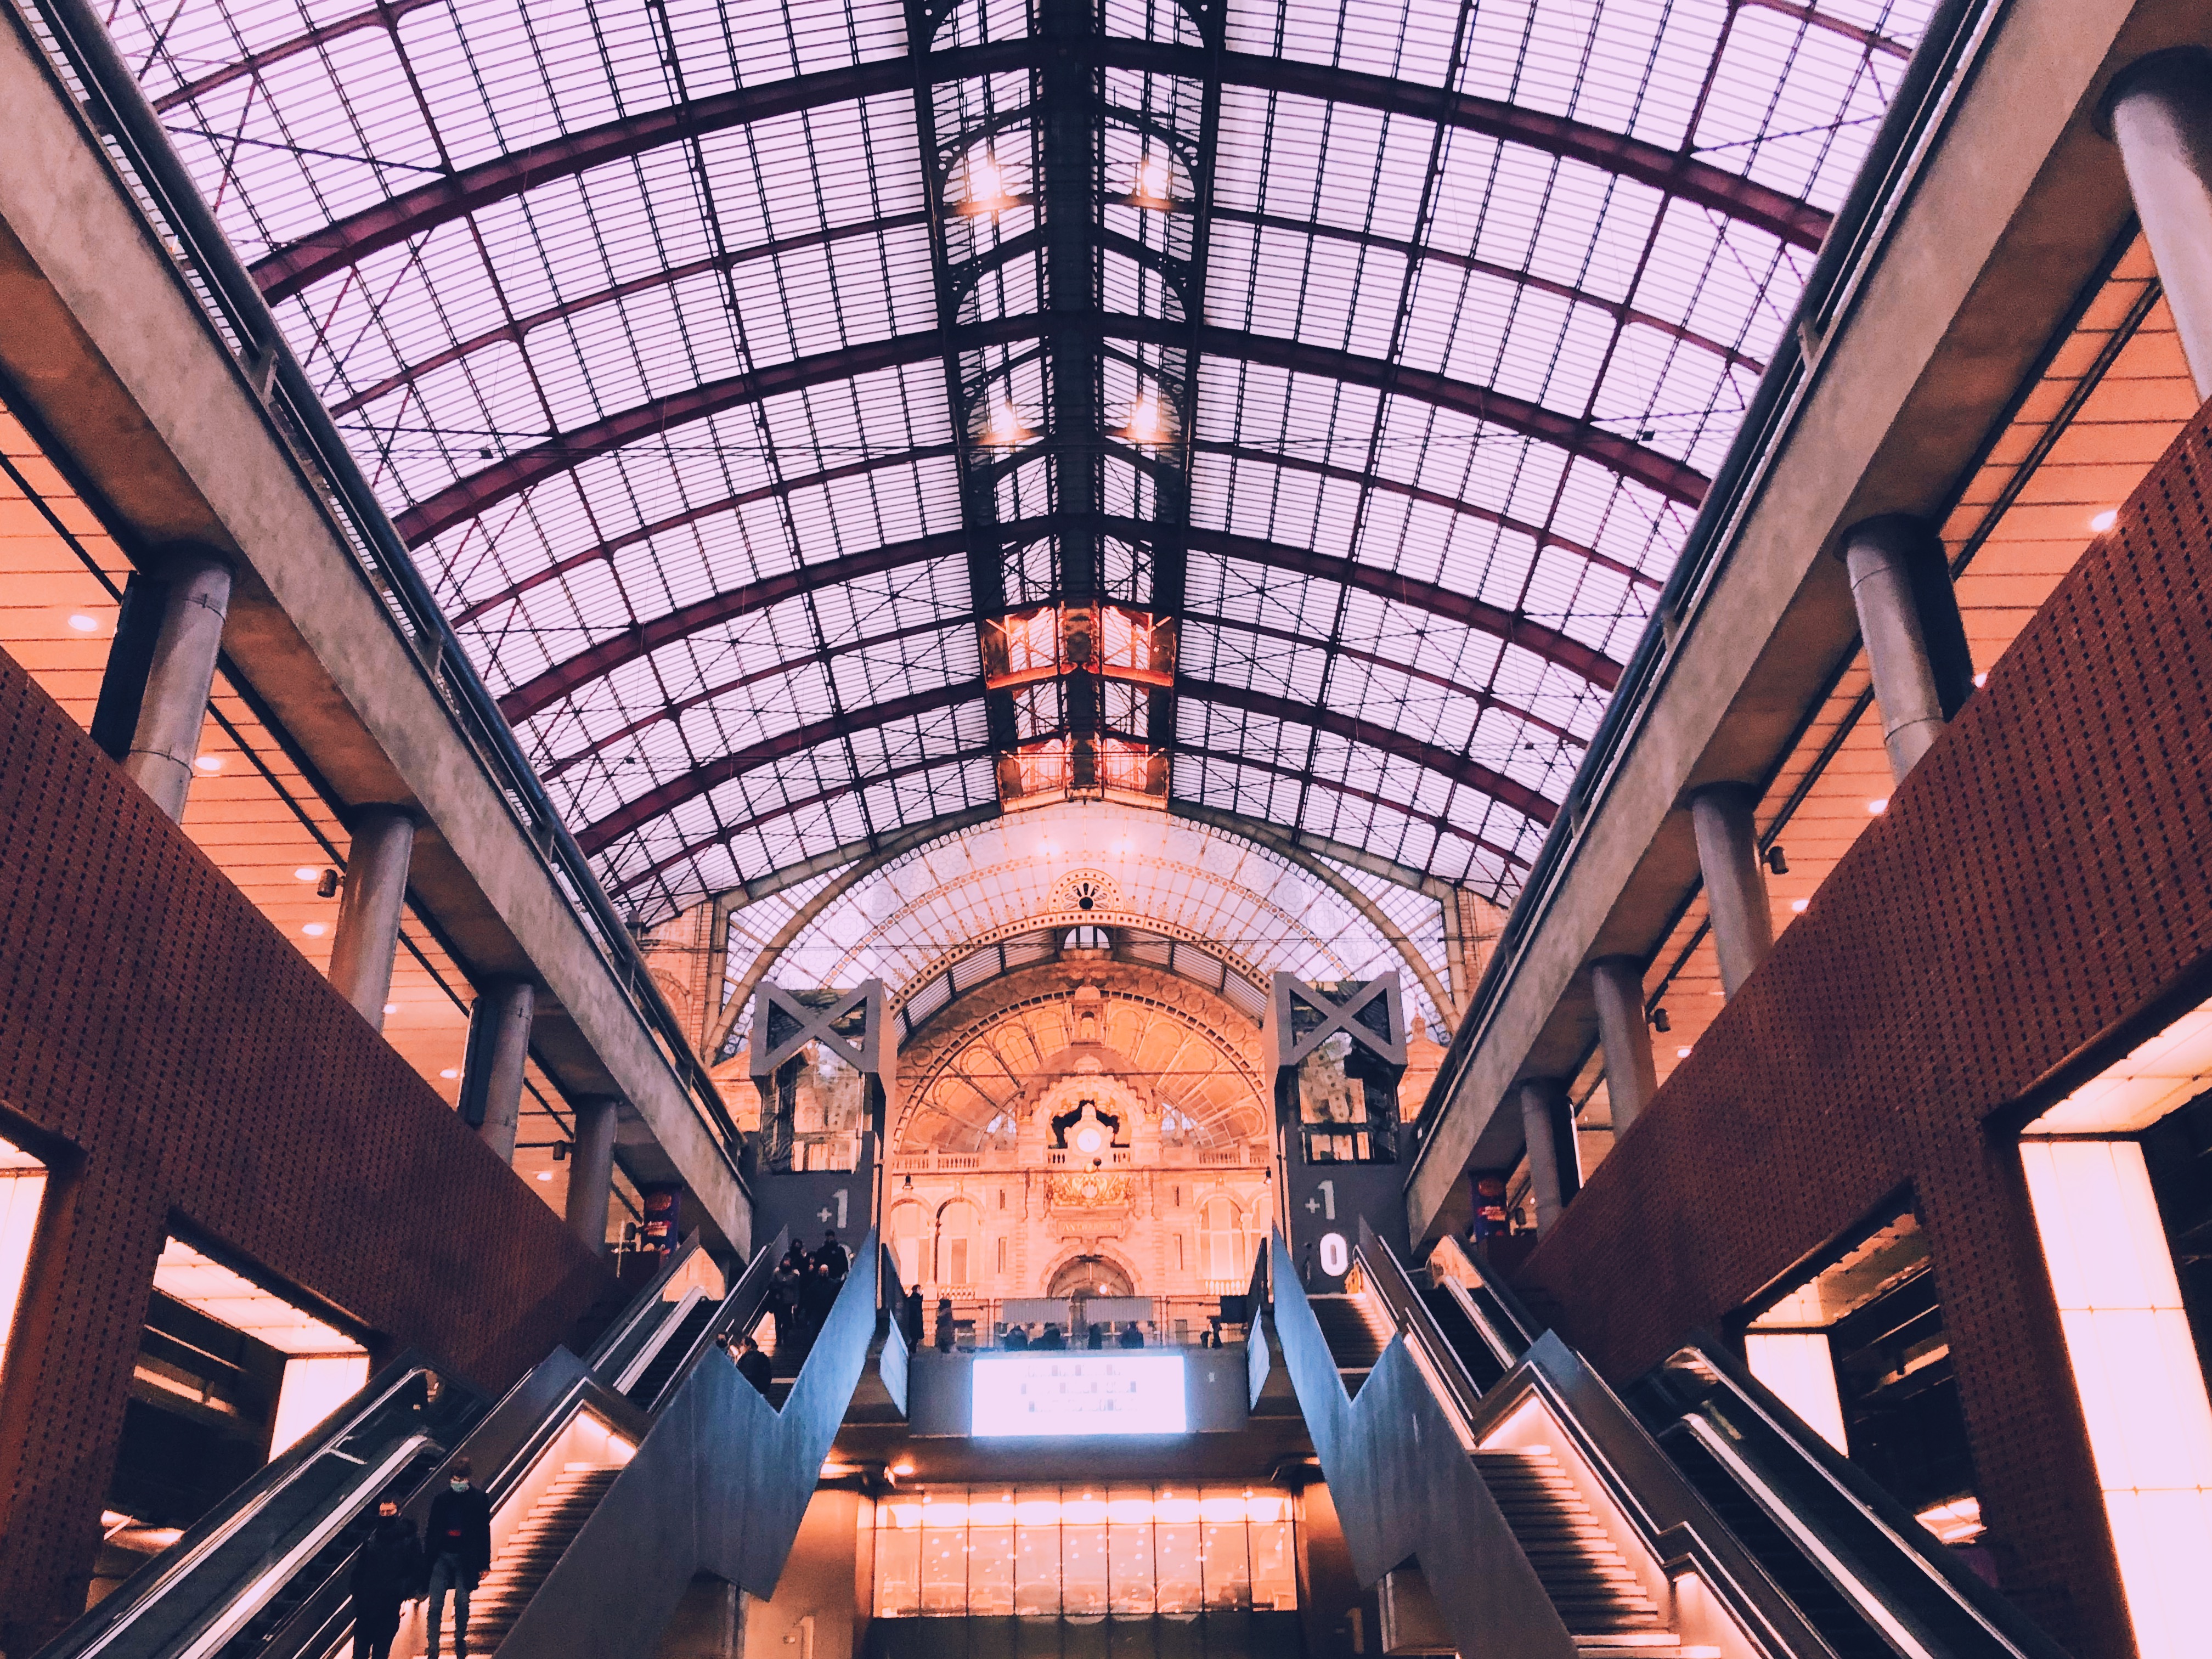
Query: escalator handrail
x=144, y=1589
x=1507, y=1345
x=1669, y=1516
x=1896, y=1528
x=316, y=1626
x=739, y=1310
x=641, y=1307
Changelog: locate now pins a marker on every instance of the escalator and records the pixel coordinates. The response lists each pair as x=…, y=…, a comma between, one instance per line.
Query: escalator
x=1616, y=1512
x=264, y=1576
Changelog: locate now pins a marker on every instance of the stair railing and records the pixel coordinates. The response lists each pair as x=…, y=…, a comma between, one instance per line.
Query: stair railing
x=1671, y=1522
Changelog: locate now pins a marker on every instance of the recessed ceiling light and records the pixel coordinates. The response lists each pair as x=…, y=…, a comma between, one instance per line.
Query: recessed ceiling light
x=1982, y=679
x=901, y=1469
x=1681, y=1053
x=84, y=624
x=390, y=1007
x=2104, y=521
x=1800, y=905
x=1878, y=806
x=450, y=1073
x=315, y=930
x=209, y=763
x=545, y=1174
x=306, y=872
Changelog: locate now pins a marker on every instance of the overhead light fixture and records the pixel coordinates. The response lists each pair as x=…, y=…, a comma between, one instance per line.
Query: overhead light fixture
x=390, y=1007
x=84, y=624
x=315, y=930
x=1153, y=187
x=2103, y=521
x=1681, y=1053
x=1800, y=905
x=307, y=873
x=1778, y=862
x=450, y=1073
x=1660, y=1022
x=545, y=1174
x=326, y=884
x=1878, y=806
x=1006, y=430
x=1148, y=423
x=208, y=763
x=901, y=1469
x=1982, y=679
x=986, y=187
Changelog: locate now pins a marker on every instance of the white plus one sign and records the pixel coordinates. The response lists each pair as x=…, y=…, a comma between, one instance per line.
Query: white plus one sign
x=822, y=1214
x=1312, y=1204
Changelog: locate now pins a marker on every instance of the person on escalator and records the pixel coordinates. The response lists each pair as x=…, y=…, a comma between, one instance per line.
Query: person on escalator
x=786, y=1296
x=754, y=1365
x=388, y=1570
x=458, y=1543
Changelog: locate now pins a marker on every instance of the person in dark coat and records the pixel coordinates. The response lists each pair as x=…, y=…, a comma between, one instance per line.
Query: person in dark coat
x=1096, y=1336
x=754, y=1365
x=1017, y=1338
x=786, y=1290
x=457, y=1543
x=826, y=1277
x=911, y=1324
x=946, y=1331
x=1051, y=1338
x=1131, y=1337
x=387, y=1570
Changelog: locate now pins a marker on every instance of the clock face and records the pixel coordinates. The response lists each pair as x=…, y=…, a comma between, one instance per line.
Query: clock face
x=1089, y=1140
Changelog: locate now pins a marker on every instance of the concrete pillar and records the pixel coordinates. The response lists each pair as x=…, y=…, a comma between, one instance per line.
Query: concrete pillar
x=1735, y=881
x=1547, y=1121
x=166, y=738
x=1631, y=1077
x=501, y=1048
x=368, y=912
x=592, y=1170
x=2159, y=111
x=1908, y=615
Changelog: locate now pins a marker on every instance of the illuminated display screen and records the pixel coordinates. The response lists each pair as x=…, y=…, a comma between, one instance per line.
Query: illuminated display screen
x=1079, y=1394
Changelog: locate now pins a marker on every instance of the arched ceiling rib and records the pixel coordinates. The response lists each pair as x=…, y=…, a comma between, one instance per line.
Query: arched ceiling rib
x=471, y=496
x=290, y=270
x=739, y=432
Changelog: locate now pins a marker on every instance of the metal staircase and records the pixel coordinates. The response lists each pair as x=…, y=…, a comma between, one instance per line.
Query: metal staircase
x=530, y=1556
x=1597, y=1594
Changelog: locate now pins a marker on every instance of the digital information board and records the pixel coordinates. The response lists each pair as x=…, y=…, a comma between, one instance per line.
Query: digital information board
x=1079, y=1394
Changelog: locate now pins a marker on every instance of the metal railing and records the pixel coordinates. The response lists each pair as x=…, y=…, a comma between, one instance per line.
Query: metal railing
x=83, y=55
x=1936, y=72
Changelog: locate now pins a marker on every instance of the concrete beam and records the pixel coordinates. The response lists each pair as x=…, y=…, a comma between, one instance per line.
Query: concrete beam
x=108, y=348
x=2013, y=213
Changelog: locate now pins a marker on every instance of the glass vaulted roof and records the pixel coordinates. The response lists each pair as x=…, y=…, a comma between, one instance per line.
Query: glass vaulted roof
x=831, y=421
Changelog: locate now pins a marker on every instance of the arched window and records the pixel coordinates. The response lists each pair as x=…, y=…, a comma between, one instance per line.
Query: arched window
x=1221, y=1241
x=959, y=1247
x=909, y=1237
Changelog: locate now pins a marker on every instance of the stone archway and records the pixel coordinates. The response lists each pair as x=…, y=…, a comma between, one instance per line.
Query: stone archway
x=1090, y=1275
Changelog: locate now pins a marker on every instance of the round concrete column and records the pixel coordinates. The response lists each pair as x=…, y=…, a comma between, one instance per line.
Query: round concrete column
x=1735, y=881
x=592, y=1170
x=1888, y=559
x=502, y=1049
x=1631, y=1077
x=1547, y=1122
x=2159, y=110
x=368, y=912
x=166, y=738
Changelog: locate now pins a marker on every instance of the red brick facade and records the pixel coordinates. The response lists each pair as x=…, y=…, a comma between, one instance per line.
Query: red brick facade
x=2043, y=876
x=176, y=1057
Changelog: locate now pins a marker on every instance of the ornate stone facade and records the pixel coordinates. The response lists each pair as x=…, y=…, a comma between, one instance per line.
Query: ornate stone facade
x=1089, y=1124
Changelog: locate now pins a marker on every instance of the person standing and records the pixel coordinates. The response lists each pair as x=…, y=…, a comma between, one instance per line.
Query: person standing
x=947, y=1331
x=826, y=1277
x=458, y=1544
x=753, y=1365
x=388, y=1570
x=789, y=1303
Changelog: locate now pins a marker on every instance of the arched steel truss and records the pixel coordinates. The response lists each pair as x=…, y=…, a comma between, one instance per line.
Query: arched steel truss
x=1062, y=102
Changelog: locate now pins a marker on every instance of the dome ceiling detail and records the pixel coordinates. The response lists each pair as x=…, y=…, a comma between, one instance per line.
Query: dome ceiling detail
x=828, y=420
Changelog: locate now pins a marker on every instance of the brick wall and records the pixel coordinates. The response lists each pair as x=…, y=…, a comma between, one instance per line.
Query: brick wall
x=178, y=1058
x=2041, y=877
